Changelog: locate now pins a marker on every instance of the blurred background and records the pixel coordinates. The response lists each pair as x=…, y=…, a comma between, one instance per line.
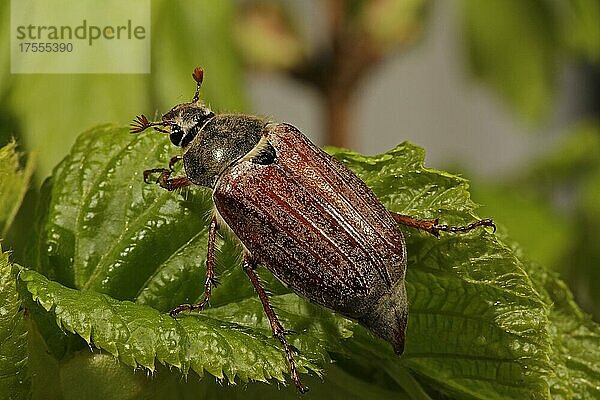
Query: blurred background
x=503, y=92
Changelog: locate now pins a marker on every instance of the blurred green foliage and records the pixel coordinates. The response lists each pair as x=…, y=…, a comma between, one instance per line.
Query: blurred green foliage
x=512, y=45
x=519, y=47
x=47, y=112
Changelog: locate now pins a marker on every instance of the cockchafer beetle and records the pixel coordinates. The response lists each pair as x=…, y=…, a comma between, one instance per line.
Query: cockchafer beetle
x=297, y=211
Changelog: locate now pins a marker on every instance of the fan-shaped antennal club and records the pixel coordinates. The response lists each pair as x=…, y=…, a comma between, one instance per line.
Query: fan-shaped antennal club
x=198, y=76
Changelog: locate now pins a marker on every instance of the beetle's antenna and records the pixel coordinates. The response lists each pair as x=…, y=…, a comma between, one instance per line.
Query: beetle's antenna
x=198, y=75
x=141, y=123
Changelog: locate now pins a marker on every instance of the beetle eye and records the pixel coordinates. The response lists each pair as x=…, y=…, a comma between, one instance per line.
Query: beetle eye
x=176, y=135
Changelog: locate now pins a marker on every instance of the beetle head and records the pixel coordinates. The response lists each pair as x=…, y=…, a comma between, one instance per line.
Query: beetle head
x=182, y=122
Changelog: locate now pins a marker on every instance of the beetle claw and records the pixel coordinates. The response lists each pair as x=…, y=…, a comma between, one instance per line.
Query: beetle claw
x=173, y=313
x=190, y=307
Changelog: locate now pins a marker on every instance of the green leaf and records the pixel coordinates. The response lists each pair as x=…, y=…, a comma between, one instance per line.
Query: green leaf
x=15, y=380
x=109, y=232
x=511, y=46
x=558, y=193
x=206, y=342
x=478, y=326
x=14, y=182
x=523, y=213
x=575, y=342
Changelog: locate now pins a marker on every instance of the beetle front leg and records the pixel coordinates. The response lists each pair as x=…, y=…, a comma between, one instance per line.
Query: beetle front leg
x=433, y=226
x=173, y=161
x=276, y=327
x=164, y=179
x=210, y=274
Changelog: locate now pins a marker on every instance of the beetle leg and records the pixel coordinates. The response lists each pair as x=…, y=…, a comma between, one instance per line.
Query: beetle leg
x=149, y=172
x=174, y=160
x=210, y=273
x=164, y=179
x=276, y=327
x=433, y=226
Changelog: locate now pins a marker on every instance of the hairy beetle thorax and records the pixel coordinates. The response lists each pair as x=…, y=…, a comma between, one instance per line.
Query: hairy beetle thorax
x=223, y=140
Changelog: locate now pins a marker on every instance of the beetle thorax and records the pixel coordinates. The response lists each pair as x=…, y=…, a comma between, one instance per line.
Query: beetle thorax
x=220, y=142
